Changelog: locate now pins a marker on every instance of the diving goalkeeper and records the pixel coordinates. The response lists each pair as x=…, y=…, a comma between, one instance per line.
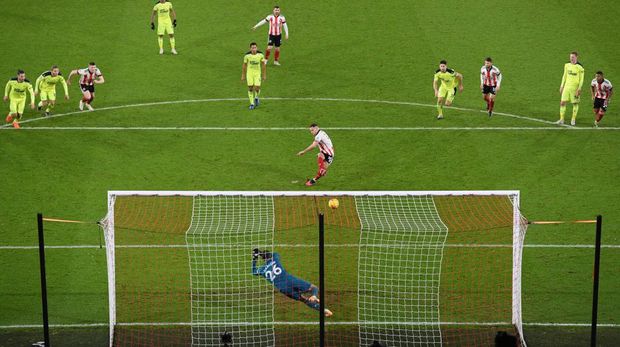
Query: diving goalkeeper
x=289, y=285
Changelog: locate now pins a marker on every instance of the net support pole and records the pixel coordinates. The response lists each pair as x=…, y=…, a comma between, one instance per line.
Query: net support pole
x=46, y=327
x=597, y=264
x=321, y=280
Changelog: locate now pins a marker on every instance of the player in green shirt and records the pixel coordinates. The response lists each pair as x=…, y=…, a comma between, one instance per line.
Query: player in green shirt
x=450, y=81
x=15, y=91
x=570, y=88
x=166, y=22
x=45, y=86
x=253, y=65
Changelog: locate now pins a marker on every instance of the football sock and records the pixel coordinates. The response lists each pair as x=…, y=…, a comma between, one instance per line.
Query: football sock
x=172, y=42
x=314, y=305
x=84, y=99
x=562, y=112
x=491, y=104
x=251, y=97
x=599, y=116
x=267, y=54
x=277, y=56
x=257, y=93
x=160, y=40
x=439, y=109
x=315, y=291
x=89, y=101
x=575, y=110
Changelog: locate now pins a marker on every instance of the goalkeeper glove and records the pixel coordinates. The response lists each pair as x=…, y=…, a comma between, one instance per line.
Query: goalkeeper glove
x=255, y=253
x=174, y=23
x=152, y=26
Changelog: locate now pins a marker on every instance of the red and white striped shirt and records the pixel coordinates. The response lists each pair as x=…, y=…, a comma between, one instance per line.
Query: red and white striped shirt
x=325, y=143
x=490, y=77
x=602, y=90
x=87, y=77
x=275, y=24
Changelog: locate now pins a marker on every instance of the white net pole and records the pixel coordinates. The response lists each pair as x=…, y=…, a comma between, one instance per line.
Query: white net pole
x=108, y=228
x=518, y=233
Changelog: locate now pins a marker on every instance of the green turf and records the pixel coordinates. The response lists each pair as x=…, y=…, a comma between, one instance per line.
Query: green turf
x=371, y=50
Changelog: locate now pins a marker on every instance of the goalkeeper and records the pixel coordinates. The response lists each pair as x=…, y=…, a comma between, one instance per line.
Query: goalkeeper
x=289, y=285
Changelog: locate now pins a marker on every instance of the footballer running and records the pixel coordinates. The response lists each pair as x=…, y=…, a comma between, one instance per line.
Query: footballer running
x=277, y=22
x=570, y=88
x=253, y=71
x=326, y=152
x=289, y=285
x=449, y=81
x=490, y=81
x=45, y=87
x=89, y=76
x=15, y=92
x=166, y=22
x=601, y=90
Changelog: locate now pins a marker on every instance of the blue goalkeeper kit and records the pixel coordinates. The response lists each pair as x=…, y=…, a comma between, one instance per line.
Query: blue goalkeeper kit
x=287, y=284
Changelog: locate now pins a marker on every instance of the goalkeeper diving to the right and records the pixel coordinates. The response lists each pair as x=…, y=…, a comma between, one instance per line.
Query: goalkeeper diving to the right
x=289, y=285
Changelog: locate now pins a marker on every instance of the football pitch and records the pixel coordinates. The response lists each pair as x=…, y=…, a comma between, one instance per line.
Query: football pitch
x=364, y=73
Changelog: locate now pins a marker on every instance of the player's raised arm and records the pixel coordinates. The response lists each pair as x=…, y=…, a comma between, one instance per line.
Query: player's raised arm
x=71, y=74
x=262, y=22
x=309, y=148
x=99, y=80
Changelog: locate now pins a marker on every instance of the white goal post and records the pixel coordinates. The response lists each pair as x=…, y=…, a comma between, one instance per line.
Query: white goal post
x=387, y=219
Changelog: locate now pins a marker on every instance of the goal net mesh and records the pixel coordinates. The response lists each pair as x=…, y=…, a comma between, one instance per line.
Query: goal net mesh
x=401, y=268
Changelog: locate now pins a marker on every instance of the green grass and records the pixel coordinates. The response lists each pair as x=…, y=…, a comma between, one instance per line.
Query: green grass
x=367, y=51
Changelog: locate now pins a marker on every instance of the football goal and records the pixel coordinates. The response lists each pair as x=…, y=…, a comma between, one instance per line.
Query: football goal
x=402, y=268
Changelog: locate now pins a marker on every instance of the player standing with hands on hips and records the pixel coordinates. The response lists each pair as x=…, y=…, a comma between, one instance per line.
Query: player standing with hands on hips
x=277, y=22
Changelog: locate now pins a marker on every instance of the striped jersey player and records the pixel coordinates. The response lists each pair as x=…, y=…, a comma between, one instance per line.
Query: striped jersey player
x=89, y=76
x=490, y=82
x=601, y=90
x=326, y=152
x=277, y=22
x=289, y=285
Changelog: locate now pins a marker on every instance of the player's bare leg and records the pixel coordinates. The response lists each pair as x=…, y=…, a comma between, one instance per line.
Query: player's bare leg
x=276, y=57
x=267, y=54
x=87, y=98
x=172, y=45
x=322, y=170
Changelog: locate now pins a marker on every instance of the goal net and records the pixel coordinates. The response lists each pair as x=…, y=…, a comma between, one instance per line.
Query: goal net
x=242, y=268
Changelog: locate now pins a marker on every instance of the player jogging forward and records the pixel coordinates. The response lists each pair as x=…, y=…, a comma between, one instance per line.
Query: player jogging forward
x=570, y=88
x=15, y=92
x=89, y=76
x=450, y=81
x=45, y=86
x=601, y=90
x=326, y=152
x=490, y=81
x=277, y=22
x=289, y=285
x=166, y=22
x=254, y=71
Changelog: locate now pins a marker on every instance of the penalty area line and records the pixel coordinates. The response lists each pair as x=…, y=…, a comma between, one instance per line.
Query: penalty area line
x=370, y=101
x=116, y=128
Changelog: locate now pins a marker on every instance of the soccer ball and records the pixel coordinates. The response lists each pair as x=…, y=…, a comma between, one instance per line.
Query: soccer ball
x=333, y=203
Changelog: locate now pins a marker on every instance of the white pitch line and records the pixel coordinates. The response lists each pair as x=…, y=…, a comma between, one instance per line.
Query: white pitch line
x=89, y=325
x=302, y=245
x=404, y=103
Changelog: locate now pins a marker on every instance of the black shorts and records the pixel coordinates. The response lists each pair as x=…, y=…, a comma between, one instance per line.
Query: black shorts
x=274, y=40
x=87, y=88
x=328, y=158
x=600, y=103
x=488, y=90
